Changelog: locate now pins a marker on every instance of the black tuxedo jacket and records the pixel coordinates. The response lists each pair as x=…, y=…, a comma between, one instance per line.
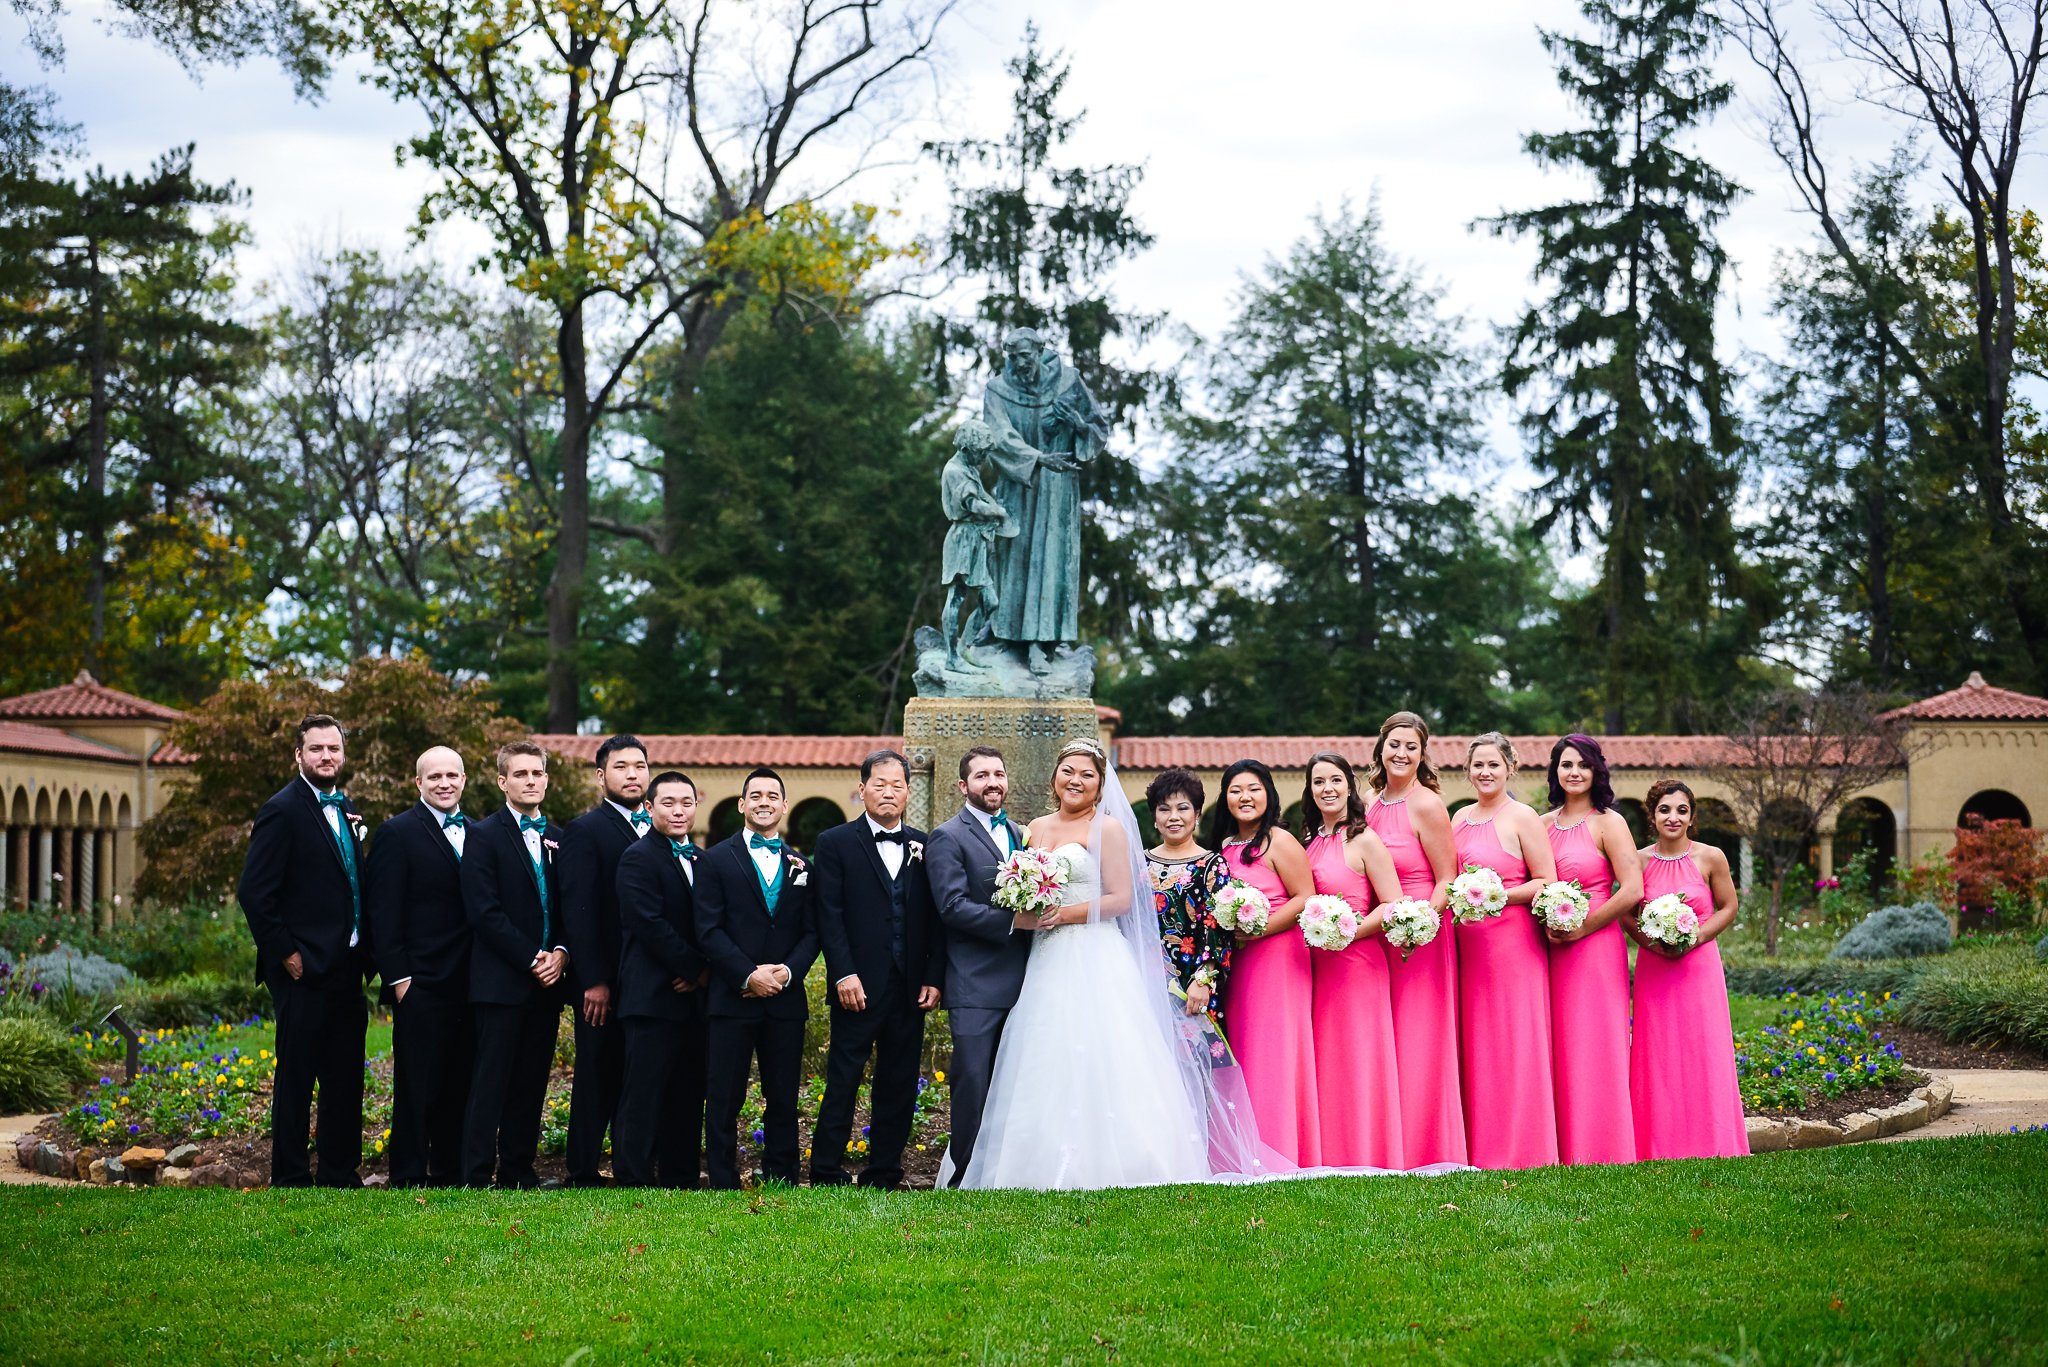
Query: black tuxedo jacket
x=851, y=884
x=591, y=846
x=504, y=909
x=294, y=890
x=413, y=898
x=736, y=932
x=658, y=932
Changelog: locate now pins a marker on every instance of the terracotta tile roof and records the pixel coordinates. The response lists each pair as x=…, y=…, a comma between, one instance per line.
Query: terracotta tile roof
x=733, y=752
x=22, y=738
x=85, y=699
x=1976, y=701
x=1445, y=752
x=170, y=754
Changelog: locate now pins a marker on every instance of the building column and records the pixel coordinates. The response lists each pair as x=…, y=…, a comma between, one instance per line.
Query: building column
x=1827, y=854
x=67, y=869
x=44, y=841
x=17, y=841
x=103, y=867
x=88, y=881
x=121, y=869
x=1745, y=862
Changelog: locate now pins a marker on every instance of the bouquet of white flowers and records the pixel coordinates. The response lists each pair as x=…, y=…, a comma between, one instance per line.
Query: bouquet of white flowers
x=1476, y=894
x=1242, y=908
x=1031, y=882
x=1669, y=921
x=1410, y=925
x=1561, y=906
x=1329, y=923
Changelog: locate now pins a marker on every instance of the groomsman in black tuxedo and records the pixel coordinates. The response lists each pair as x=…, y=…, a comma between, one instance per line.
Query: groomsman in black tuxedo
x=659, y=1138
x=512, y=893
x=301, y=891
x=885, y=958
x=420, y=931
x=591, y=846
x=755, y=925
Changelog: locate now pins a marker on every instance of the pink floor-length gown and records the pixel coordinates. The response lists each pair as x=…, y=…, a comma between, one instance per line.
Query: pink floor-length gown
x=1589, y=1016
x=1682, y=1080
x=1358, y=1082
x=1425, y=992
x=1271, y=1024
x=1504, y=1020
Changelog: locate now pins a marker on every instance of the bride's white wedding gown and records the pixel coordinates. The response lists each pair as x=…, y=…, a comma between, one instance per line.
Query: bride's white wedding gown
x=1086, y=1092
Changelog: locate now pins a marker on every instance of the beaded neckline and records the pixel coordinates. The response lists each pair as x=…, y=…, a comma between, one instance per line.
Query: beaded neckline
x=1560, y=826
x=1685, y=853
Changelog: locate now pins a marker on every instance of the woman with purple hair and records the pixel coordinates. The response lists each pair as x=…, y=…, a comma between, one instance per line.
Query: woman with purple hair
x=1589, y=1011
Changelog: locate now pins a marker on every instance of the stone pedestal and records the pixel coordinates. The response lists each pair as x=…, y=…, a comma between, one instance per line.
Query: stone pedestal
x=1029, y=732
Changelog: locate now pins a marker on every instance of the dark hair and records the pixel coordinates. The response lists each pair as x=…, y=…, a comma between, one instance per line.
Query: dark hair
x=1425, y=772
x=616, y=744
x=519, y=747
x=878, y=759
x=1312, y=815
x=975, y=752
x=315, y=721
x=1223, y=826
x=669, y=776
x=1663, y=788
x=764, y=772
x=1589, y=751
x=1175, y=783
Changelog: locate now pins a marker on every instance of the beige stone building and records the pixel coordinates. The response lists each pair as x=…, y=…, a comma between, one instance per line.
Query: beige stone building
x=83, y=765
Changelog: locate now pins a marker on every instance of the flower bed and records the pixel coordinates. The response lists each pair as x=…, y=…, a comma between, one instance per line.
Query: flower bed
x=1820, y=1048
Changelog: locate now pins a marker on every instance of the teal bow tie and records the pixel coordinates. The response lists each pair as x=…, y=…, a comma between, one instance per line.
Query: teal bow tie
x=764, y=842
x=338, y=801
x=1001, y=818
x=641, y=821
x=682, y=849
x=452, y=819
x=533, y=823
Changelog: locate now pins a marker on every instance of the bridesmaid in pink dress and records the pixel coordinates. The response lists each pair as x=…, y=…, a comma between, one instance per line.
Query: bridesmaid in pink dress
x=1589, y=966
x=1271, y=987
x=1504, y=973
x=1682, y=1080
x=1358, y=1082
x=1408, y=816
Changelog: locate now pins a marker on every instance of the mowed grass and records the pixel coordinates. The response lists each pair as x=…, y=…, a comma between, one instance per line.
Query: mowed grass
x=1929, y=1252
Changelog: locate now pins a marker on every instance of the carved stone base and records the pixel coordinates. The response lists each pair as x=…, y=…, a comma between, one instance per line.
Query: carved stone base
x=1029, y=732
x=1002, y=670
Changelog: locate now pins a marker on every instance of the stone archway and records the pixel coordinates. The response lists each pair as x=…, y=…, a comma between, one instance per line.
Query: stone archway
x=811, y=818
x=724, y=820
x=1994, y=804
x=1867, y=827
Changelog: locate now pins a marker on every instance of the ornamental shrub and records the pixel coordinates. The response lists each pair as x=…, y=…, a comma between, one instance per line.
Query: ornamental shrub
x=69, y=970
x=196, y=999
x=2041, y=948
x=37, y=1066
x=1897, y=933
x=1997, y=995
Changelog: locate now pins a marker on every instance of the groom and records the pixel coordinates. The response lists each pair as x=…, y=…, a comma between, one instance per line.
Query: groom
x=984, y=956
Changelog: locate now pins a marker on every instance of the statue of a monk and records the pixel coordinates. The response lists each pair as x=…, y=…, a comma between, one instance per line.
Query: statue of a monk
x=1046, y=427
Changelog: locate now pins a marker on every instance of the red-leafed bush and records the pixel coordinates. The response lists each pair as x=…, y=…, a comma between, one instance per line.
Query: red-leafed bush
x=1997, y=864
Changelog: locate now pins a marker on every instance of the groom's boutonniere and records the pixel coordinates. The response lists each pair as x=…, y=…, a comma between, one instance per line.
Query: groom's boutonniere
x=549, y=845
x=799, y=875
x=355, y=825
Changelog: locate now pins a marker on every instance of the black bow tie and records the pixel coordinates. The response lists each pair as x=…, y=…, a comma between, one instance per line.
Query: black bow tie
x=898, y=837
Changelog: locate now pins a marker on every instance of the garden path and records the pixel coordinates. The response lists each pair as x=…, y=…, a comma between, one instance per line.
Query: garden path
x=1987, y=1101
x=11, y=1172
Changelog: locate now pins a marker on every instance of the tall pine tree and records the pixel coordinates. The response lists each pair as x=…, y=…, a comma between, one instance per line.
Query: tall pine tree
x=1627, y=404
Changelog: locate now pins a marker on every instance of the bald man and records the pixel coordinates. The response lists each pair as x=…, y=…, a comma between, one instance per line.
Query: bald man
x=421, y=936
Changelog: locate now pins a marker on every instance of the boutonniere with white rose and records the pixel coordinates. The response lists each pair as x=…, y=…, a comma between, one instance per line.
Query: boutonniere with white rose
x=357, y=828
x=916, y=851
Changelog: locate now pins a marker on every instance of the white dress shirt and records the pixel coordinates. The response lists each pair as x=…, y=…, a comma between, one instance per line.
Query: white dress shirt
x=454, y=835
x=1000, y=835
x=767, y=861
x=893, y=852
x=626, y=812
x=532, y=839
x=333, y=815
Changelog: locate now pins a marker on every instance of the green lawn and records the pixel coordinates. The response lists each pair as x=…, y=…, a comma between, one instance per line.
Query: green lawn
x=1930, y=1252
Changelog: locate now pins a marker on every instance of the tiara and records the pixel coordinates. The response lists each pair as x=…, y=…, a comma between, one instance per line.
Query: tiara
x=1083, y=745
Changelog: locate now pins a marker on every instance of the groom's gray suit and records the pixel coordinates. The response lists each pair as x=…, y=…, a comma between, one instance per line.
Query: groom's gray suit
x=984, y=965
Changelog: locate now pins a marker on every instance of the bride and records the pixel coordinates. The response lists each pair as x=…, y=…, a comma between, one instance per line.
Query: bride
x=1095, y=1083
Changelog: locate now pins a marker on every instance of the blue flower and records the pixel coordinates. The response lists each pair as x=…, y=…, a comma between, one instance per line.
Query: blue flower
x=135, y=1129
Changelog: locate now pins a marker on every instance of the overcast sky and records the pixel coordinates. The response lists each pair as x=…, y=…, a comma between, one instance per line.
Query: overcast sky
x=1247, y=118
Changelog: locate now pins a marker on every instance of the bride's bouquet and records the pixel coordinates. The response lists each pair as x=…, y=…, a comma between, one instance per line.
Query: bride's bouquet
x=1561, y=906
x=1670, y=922
x=1410, y=925
x=1329, y=923
x=1476, y=894
x=1031, y=882
x=1242, y=908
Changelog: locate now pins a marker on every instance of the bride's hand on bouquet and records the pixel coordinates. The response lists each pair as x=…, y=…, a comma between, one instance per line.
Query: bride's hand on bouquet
x=1198, y=999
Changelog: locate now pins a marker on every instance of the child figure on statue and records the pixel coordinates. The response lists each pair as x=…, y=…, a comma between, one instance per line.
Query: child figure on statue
x=976, y=519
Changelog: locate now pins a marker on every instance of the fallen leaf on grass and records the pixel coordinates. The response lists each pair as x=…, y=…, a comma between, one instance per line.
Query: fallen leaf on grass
x=1447, y=1206
x=1507, y=1186
x=1255, y=1223
x=636, y=1250
x=1696, y=1232
x=526, y=1334
x=1843, y=1216
x=419, y=1200
x=622, y=1318
x=1835, y=1304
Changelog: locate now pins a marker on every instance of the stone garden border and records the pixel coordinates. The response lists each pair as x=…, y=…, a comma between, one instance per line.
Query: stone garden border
x=1930, y=1102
